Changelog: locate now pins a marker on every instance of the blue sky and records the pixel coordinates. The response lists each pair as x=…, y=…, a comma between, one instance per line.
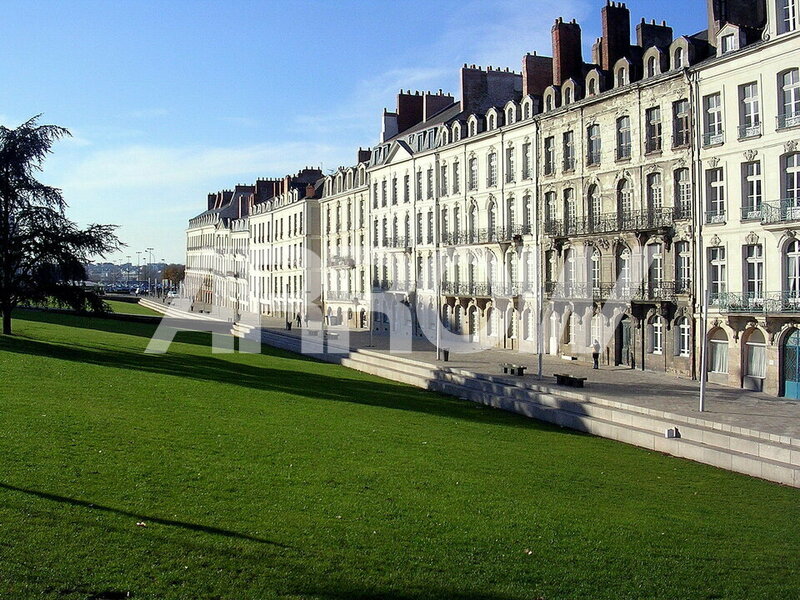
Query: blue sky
x=170, y=100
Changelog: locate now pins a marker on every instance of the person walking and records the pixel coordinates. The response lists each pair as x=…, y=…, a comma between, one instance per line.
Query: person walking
x=596, y=354
x=298, y=319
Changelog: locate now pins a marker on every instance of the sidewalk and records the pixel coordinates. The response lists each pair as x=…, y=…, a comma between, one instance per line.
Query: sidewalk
x=656, y=391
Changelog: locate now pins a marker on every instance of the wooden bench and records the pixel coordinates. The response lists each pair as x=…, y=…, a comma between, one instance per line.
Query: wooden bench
x=513, y=369
x=569, y=380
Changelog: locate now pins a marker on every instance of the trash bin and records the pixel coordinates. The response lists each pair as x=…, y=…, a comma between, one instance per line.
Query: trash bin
x=288, y=325
x=445, y=354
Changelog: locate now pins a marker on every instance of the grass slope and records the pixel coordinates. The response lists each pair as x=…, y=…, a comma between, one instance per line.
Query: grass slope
x=130, y=308
x=272, y=476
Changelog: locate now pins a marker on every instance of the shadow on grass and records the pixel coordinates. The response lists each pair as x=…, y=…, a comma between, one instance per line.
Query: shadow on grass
x=264, y=378
x=144, y=518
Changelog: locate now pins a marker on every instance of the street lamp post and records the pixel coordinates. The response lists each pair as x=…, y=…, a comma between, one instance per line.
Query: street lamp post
x=149, y=273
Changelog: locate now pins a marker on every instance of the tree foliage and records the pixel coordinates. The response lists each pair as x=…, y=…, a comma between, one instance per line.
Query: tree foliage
x=42, y=252
x=175, y=273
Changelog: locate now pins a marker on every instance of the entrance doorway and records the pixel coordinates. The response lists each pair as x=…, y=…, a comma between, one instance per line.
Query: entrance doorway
x=623, y=354
x=791, y=365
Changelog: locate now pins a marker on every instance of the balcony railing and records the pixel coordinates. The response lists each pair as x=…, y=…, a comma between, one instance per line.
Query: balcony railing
x=337, y=295
x=661, y=291
x=750, y=213
x=713, y=138
x=484, y=236
x=392, y=285
x=397, y=242
x=715, y=216
x=752, y=302
x=482, y=289
x=750, y=131
x=789, y=120
x=612, y=222
x=341, y=262
x=782, y=211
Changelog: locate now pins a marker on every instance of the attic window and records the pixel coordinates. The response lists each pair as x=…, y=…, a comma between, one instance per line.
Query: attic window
x=592, y=87
x=526, y=111
x=568, y=96
x=651, y=66
x=727, y=43
x=456, y=133
x=622, y=76
x=491, y=122
x=509, y=116
x=472, y=128
x=678, y=58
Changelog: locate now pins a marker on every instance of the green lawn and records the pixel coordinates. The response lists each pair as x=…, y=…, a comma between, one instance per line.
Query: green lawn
x=271, y=476
x=130, y=308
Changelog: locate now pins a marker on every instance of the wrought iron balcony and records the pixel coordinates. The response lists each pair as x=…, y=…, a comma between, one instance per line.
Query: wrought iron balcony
x=337, y=295
x=482, y=289
x=641, y=220
x=750, y=131
x=715, y=216
x=484, y=236
x=397, y=242
x=713, y=138
x=782, y=211
x=392, y=285
x=788, y=120
x=752, y=302
x=656, y=291
x=751, y=213
x=341, y=262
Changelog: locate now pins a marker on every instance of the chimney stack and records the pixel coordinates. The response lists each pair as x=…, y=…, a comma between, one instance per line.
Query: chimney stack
x=409, y=110
x=652, y=34
x=567, y=54
x=616, y=43
x=537, y=74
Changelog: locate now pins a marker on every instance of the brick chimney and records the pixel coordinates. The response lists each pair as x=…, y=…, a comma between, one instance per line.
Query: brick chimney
x=616, y=43
x=310, y=191
x=212, y=201
x=651, y=34
x=433, y=103
x=744, y=13
x=567, y=54
x=537, y=74
x=409, y=110
x=388, y=125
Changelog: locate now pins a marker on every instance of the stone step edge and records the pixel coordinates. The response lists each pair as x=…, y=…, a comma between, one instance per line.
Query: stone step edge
x=473, y=385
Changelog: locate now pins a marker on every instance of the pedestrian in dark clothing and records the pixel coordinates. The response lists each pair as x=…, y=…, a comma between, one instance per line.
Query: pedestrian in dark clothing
x=596, y=355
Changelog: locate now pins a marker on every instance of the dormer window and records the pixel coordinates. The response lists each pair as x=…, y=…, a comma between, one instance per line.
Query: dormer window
x=622, y=77
x=490, y=125
x=509, y=116
x=651, y=66
x=728, y=43
x=526, y=110
x=456, y=133
x=679, y=58
x=568, y=96
x=472, y=129
x=592, y=87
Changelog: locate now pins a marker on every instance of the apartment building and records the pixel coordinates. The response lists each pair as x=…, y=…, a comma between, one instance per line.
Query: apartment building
x=748, y=123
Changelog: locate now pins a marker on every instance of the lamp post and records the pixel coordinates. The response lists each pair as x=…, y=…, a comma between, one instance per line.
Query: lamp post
x=128, y=271
x=149, y=273
x=138, y=267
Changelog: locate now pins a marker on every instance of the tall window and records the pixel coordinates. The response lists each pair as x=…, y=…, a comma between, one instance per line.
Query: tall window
x=549, y=207
x=419, y=228
x=443, y=180
x=418, y=189
x=789, y=109
x=594, y=271
x=678, y=59
x=787, y=16
x=680, y=123
x=751, y=190
x=456, y=178
x=623, y=138
x=791, y=184
x=491, y=175
x=526, y=214
x=715, y=196
x=569, y=150
x=683, y=193
x=509, y=164
x=593, y=200
x=684, y=337
x=549, y=155
x=657, y=333
x=718, y=351
x=406, y=188
x=717, y=271
x=472, y=182
x=623, y=272
x=792, y=266
x=430, y=183
x=749, y=111
x=456, y=220
x=683, y=267
x=569, y=209
x=383, y=193
x=653, y=129
x=526, y=159
x=593, y=145
x=651, y=66
x=624, y=199
x=655, y=196
x=712, y=125
x=756, y=352
x=754, y=271
x=655, y=255
x=492, y=218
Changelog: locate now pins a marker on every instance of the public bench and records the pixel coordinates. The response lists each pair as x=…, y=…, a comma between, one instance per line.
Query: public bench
x=513, y=369
x=569, y=380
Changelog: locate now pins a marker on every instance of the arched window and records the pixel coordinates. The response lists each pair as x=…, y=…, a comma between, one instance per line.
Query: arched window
x=657, y=335
x=593, y=207
x=651, y=66
x=526, y=110
x=622, y=76
x=683, y=341
x=592, y=87
x=594, y=271
x=491, y=122
x=472, y=222
x=718, y=351
x=678, y=59
x=792, y=269
x=655, y=196
x=756, y=355
x=568, y=96
x=509, y=116
x=624, y=199
x=492, y=220
x=491, y=328
x=472, y=128
x=623, y=272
